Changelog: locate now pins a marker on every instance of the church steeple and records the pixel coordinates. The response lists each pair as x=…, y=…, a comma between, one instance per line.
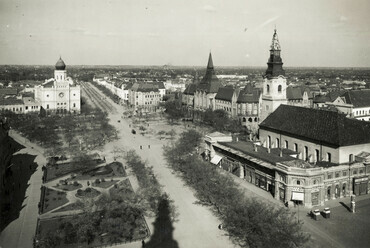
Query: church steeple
x=275, y=63
x=210, y=62
x=210, y=72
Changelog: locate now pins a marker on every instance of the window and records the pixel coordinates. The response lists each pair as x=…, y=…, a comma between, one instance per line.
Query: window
x=298, y=182
x=269, y=141
x=47, y=106
x=344, y=173
x=337, y=174
x=286, y=144
x=306, y=153
x=268, y=89
x=351, y=158
x=354, y=172
x=47, y=95
x=317, y=155
x=360, y=171
x=330, y=175
x=328, y=156
x=277, y=143
x=279, y=88
x=315, y=181
x=295, y=147
x=74, y=105
x=26, y=107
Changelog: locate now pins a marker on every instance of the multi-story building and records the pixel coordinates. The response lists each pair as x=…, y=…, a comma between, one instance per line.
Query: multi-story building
x=307, y=156
x=354, y=103
x=60, y=94
x=226, y=99
x=206, y=90
x=145, y=96
x=274, y=85
x=299, y=96
x=249, y=104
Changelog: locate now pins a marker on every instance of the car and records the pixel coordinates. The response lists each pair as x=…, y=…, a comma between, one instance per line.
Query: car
x=133, y=131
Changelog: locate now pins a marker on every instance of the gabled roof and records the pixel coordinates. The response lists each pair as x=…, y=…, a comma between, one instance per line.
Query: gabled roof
x=11, y=101
x=161, y=85
x=144, y=87
x=358, y=98
x=190, y=89
x=319, y=126
x=329, y=97
x=296, y=93
x=225, y=94
x=8, y=91
x=249, y=96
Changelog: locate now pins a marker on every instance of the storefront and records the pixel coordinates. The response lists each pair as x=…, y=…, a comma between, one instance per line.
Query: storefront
x=360, y=185
x=315, y=193
x=298, y=195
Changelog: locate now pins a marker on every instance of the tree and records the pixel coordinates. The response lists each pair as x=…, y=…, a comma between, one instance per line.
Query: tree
x=174, y=110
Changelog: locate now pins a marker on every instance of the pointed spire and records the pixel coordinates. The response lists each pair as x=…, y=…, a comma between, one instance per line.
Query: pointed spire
x=210, y=62
x=275, y=45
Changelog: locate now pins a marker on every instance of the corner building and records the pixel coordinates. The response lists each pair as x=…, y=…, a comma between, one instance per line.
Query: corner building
x=307, y=156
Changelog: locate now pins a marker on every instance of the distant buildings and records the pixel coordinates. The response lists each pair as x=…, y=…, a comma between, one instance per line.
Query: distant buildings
x=145, y=97
x=308, y=156
x=353, y=103
x=60, y=94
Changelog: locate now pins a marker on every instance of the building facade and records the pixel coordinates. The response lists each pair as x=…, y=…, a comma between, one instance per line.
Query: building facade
x=306, y=156
x=206, y=90
x=274, y=85
x=59, y=95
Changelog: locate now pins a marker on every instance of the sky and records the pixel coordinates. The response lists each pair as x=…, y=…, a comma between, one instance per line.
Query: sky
x=312, y=33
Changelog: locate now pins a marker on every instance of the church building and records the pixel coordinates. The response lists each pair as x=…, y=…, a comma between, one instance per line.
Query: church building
x=60, y=94
x=274, y=85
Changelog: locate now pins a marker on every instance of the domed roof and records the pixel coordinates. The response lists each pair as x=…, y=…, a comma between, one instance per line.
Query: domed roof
x=60, y=65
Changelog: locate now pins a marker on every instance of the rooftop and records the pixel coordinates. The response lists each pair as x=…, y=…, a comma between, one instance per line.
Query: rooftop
x=317, y=125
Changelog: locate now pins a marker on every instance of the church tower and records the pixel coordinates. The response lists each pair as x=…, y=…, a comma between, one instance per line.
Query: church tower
x=60, y=73
x=274, y=85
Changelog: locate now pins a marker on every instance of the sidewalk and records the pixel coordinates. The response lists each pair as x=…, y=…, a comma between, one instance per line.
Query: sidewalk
x=20, y=232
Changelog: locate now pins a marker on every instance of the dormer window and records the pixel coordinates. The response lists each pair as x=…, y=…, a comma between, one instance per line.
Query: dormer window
x=279, y=88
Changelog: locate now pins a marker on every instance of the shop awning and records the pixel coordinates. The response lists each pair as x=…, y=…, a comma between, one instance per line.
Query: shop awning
x=297, y=196
x=216, y=159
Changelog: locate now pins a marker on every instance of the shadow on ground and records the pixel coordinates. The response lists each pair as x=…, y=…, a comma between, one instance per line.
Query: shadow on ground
x=163, y=229
x=19, y=170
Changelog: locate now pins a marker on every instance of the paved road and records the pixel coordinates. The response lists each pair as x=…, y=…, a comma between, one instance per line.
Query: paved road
x=20, y=232
x=197, y=226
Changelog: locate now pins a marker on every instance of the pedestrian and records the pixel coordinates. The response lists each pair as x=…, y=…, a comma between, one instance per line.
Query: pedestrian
x=149, y=146
x=143, y=243
x=141, y=147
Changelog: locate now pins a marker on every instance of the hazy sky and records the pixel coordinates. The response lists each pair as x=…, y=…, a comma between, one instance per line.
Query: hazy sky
x=158, y=32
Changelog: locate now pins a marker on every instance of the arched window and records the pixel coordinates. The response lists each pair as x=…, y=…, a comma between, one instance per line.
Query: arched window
x=250, y=119
x=351, y=158
x=268, y=88
x=277, y=143
x=269, y=141
x=244, y=120
x=279, y=88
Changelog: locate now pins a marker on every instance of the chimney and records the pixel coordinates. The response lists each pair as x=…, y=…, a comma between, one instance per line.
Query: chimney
x=268, y=150
x=237, y=139
x=281, y=153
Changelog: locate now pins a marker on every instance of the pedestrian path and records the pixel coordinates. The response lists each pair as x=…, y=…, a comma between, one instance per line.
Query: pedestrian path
x=21, y=231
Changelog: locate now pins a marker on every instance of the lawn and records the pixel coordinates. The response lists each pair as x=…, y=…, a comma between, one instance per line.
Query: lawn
x=66, y=231
x=59, y=170
x=122, y=188
x=87, y=193
x=73, y=206
x=69, y=187
x=52, y=199
x=105, y=184
x=108, y=171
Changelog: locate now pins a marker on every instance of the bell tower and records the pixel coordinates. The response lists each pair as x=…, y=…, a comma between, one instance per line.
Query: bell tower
x=274, y=85
x=60, y=73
